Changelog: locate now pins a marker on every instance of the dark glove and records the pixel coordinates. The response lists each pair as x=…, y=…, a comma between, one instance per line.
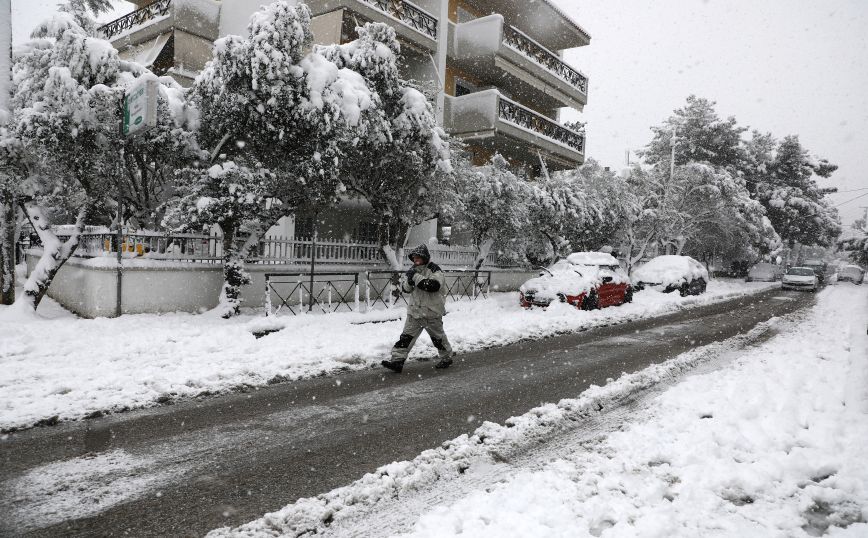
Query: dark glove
x=410, y=274
x=429, y=284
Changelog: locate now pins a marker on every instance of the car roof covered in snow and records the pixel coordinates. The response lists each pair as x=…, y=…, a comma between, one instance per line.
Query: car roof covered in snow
x=592, y=258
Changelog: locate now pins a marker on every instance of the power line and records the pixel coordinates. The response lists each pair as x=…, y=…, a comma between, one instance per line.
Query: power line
x=851, y=199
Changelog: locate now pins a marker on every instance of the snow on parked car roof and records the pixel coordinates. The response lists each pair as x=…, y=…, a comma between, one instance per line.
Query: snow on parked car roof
x=670, y=269
x=592, y=258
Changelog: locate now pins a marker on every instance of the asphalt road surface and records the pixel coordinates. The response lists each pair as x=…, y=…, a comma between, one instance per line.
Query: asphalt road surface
x=183, y=469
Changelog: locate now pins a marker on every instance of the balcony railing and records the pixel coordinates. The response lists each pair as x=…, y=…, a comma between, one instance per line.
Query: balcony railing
x=517, y=40
x=409, y=14
x=138, y=17
x=524, y=117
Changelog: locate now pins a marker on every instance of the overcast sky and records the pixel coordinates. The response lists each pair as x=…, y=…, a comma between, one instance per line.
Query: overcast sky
x=784, y=66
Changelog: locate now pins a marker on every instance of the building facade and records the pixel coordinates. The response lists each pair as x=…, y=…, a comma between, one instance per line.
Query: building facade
x=495, y=67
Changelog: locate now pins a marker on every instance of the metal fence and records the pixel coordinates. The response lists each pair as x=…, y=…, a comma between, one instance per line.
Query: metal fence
x=270, y=251
x=329, y=292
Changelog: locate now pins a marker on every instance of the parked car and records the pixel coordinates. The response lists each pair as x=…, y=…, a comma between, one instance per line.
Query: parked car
x=800, y=278
x=765, y=272
x=819, y=267
x=586, y=280
x=670, y=273
x=851, y=273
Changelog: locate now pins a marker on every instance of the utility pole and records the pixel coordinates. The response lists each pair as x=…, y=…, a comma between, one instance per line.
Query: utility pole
x=8, y=209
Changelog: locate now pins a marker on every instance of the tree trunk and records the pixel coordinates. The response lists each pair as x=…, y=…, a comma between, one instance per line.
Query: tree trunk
x=8, y=234
x=393, y=238
x=54, y=253
x=234, y=275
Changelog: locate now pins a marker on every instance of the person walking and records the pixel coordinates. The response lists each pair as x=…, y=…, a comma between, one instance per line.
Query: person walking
x=426, y=285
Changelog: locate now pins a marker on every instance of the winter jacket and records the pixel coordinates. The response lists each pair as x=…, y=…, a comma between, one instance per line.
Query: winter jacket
x=427, y=287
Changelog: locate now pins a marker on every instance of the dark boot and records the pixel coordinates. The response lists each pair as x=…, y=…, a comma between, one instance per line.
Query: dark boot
x=444, y=363
x=395, y=366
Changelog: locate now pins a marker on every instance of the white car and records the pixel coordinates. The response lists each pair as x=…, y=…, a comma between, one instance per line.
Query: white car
x=851, y=273
x=765, y=272
x=800, y=278
x=670, y=273
x=587, y=280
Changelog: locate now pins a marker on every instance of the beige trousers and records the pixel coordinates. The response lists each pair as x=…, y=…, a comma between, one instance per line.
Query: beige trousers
x=413, y=328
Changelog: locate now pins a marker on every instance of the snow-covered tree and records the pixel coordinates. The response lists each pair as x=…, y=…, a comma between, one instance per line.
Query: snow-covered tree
x=266, y=99
x=67, y=89
x=608, y=201
x=399, y=161
x=786, y=186
x=700, y=136
x=493, y=207
x=557, y=207
x=230, y=195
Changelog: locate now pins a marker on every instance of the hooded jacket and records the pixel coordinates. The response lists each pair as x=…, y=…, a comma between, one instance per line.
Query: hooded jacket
x=426, y=285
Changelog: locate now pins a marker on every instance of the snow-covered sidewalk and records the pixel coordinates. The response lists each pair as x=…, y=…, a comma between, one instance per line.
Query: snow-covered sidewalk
x=772, y=444
x=68, y=368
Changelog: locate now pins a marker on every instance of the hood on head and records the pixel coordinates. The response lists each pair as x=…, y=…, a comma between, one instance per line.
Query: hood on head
x=421, y=251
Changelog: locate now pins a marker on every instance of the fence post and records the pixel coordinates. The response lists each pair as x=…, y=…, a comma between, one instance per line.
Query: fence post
x=488, y=284
x=367, y=291
x=300, y=295
x=357, y=293
x=267, y=295
x=392, y=292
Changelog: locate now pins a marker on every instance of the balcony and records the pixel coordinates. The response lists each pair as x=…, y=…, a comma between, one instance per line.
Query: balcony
x=167, y=36
x=492, y=121
x=504, y=56
x=415, y=25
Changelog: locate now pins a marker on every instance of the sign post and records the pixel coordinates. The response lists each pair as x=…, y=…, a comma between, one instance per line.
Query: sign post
x=139, y=107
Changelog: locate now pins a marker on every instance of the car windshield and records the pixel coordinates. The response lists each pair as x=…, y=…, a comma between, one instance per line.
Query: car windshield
x=801, y=271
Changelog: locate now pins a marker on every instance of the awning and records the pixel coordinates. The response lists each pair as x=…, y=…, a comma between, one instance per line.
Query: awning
x=146, y=53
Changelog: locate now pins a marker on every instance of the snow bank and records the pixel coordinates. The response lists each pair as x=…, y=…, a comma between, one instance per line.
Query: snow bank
x=774, y=445
x=100, y=365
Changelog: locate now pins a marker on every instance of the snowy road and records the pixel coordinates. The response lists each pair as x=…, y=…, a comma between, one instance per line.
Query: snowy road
x=188, y=468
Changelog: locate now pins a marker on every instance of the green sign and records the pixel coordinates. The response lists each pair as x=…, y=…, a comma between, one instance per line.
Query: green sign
x=140, y=107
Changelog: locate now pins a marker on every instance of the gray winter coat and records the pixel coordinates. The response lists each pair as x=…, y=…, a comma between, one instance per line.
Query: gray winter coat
x=427, y=287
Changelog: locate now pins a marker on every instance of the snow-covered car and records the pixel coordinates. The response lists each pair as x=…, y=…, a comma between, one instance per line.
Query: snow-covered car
x=670, y=273
x=819, y=266
x=765, y=272
x=586, y=280
x=851, y=273
x=800, y=278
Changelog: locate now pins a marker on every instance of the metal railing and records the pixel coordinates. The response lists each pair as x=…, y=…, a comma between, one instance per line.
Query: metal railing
x=383, y=287
x=409, y=14
x=521, y=42
x=271, y=250
x=138, y=17
x=513, y=112
x=328, y=291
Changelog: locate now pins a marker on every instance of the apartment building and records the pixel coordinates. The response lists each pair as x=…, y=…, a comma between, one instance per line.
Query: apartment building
x=495, y=67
